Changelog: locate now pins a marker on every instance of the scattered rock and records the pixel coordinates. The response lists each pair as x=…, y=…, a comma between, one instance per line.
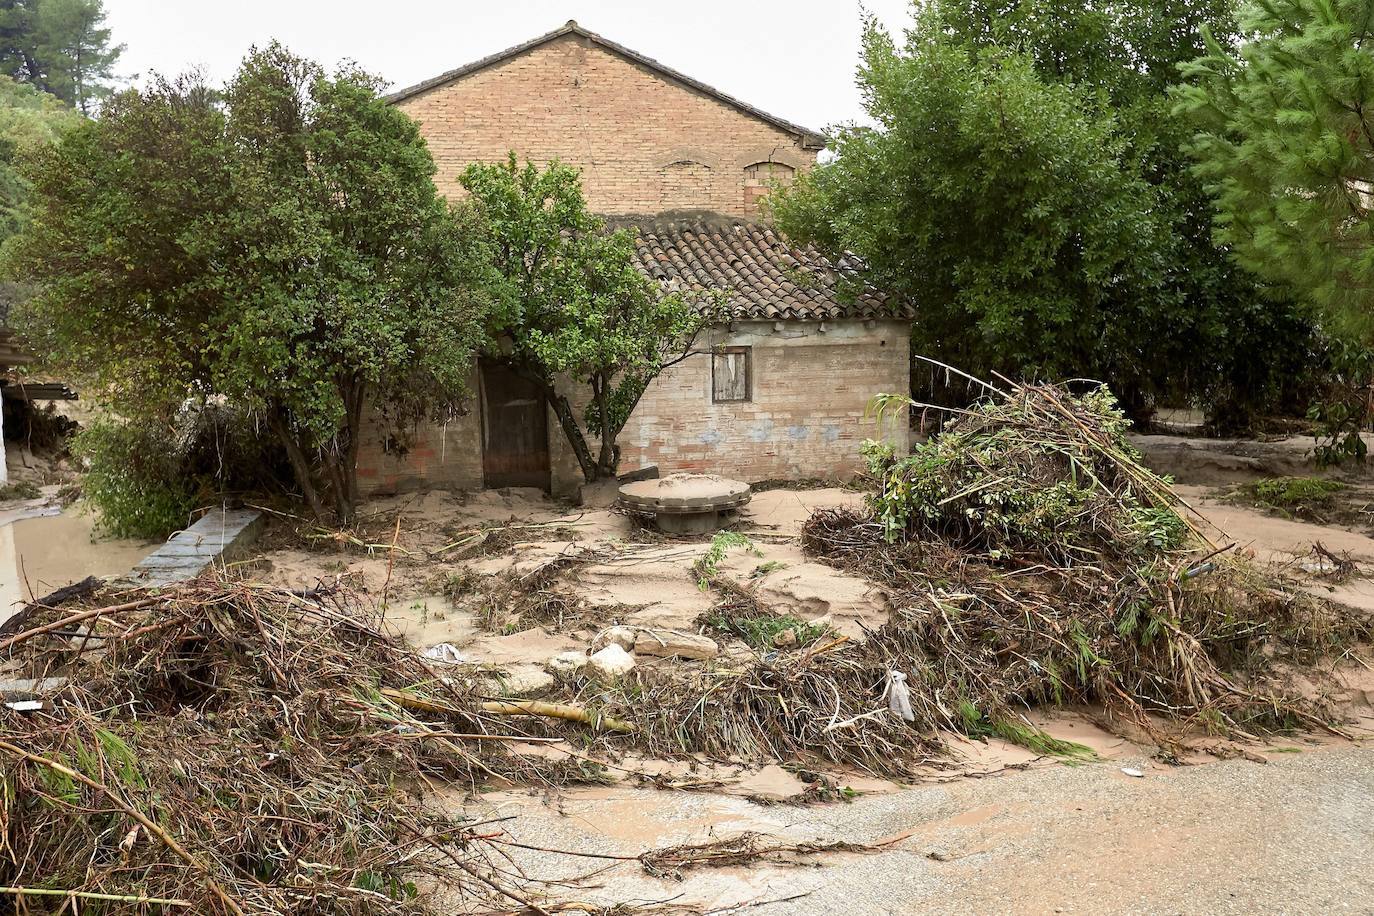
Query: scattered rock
x=567, y=663
x=671, y=644
x=786, y=639
x=599, y=495
x=611, y=662
x=523, y=680
x=624, y=637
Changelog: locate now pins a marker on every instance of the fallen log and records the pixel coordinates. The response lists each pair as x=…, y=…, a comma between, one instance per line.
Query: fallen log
x=50, y=600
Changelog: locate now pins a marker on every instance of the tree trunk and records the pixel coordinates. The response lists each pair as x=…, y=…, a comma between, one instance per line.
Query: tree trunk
x=568, y=420
x=355, y=402
x=607, y=461
x=333, y=464
x=299, y=464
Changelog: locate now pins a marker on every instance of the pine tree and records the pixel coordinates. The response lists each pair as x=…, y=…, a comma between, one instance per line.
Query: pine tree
x=74, y=43
x=1286, y=146
x=59, y=46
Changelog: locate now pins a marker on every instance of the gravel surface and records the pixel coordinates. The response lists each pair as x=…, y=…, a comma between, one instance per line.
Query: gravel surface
x=1291, y=836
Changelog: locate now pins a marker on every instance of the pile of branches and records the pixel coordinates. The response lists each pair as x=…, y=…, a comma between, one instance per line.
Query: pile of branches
x=1029, y=559
x=236, y=748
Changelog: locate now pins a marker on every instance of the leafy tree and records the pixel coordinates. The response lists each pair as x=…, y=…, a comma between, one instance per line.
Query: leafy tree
x=996, y=201
x=1286, y=144
x=59, y=46
x=1227, y=338
x=280, y=245
x=574, y=303
x=28, y=118
x=1177, y=316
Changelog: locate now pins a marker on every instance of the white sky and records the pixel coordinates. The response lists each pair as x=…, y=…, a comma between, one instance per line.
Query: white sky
x=791, y=58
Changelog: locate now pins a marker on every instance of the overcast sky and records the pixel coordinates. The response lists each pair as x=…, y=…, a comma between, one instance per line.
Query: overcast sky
x=792, y=58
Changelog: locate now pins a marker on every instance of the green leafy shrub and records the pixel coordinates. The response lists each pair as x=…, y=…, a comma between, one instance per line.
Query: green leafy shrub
x=1294, y=491
x=145, y=478
x=133, y=479
x=22, y=489
x=1301, y=497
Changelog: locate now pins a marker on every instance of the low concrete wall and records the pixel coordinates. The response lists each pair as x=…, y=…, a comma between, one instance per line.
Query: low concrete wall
x=220, y=535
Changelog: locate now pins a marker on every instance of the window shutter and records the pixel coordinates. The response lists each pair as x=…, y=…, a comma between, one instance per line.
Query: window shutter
x=730, y=370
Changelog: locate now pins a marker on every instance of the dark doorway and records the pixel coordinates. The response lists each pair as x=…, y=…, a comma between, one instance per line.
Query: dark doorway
x=515, y=430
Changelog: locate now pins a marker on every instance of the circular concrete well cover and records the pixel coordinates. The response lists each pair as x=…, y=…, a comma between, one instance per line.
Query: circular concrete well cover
x=685, y=494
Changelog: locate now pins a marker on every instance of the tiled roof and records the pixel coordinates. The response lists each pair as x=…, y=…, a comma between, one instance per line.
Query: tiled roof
x=812, y=139
x=763, y=275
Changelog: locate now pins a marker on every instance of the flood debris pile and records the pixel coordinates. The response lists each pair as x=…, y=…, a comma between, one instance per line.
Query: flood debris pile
x=1029, y=559
x=232, y=748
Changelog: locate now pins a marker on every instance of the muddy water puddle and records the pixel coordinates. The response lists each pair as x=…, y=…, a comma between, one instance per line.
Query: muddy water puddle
x=43, y=548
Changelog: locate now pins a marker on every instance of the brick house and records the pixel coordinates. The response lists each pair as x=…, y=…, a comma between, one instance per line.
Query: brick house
x=784, y=389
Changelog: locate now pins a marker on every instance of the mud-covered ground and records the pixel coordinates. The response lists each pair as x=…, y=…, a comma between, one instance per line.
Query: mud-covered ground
x=1283, y=827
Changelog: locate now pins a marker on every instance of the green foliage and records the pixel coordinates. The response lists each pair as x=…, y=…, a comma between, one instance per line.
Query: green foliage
x=59, y=46
x=1284, y=143
x=19, y=490
x=708, y=564
x=280, y=244
x=574, y=303
x=978, y=725
x=1004, y=480
x=133, y=479
x=997, y=201
x=1310, y=498
x=1293, y=491
x=1026, y=188
x=28, y=118
x=760, y=630
x=1341, y=411
x=763, y=569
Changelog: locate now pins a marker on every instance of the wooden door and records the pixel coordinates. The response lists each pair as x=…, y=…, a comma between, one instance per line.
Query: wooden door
x=515, y=430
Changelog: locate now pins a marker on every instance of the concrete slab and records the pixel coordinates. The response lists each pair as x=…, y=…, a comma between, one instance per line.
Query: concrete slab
x=220, y=535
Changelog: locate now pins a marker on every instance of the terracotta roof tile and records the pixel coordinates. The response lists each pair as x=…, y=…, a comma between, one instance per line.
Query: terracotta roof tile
x=763, y=276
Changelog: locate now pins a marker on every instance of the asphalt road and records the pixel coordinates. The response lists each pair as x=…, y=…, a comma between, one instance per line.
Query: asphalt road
x=1295, y=835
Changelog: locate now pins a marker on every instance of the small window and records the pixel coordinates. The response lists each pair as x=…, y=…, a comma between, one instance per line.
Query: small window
x=730, y=374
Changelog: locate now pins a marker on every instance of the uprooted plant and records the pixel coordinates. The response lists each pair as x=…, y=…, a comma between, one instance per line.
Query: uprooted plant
x=230, y=748
x=1029, y=558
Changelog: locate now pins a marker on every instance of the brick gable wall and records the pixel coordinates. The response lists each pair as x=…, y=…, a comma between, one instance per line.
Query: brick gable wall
x=645, y=144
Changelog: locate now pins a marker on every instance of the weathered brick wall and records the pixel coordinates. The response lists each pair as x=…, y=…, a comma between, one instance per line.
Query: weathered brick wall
x=805, y=417
x=644, y=144
x=446, y=456
x=806, y=414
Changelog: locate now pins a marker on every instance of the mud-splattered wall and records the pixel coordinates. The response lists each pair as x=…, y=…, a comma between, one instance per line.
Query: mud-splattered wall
x=809, y=384
x=805, y=417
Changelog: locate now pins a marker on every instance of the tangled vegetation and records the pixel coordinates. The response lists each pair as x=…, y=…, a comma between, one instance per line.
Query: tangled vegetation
x=240, y=749
x=1302, y=497
x=1029, y=559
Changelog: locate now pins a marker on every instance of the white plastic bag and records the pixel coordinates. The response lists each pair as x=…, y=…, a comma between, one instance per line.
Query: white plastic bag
x=446, y=653
x=899, y=697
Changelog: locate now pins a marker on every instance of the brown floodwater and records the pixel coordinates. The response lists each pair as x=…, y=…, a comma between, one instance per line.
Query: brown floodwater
x=41, y=550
